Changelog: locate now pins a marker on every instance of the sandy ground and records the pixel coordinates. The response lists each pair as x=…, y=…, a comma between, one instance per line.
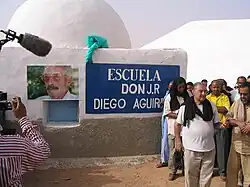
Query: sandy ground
x=145, y=175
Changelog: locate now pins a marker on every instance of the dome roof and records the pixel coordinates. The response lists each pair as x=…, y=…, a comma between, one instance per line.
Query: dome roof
x=67, y=23
x=215, y=48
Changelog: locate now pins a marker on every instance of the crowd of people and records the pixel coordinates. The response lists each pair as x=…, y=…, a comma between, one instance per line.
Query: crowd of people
x=207, y=126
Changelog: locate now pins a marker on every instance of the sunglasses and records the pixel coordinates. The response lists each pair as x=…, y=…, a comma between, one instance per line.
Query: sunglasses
x=51, y=76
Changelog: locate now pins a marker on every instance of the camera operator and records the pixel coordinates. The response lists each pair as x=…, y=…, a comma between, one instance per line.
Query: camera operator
x=20, y=154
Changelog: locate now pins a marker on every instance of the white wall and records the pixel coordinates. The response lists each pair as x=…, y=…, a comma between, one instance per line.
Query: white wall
x=15, y=60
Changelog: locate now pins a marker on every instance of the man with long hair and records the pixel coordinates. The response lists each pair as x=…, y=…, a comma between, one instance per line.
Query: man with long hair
x=178, y=94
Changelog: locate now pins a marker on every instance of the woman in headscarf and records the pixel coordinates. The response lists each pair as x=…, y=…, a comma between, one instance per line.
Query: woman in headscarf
x=164, y=140
x=178, y=94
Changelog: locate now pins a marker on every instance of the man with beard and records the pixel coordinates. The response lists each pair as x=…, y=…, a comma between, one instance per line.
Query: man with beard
x=178, y=94
x=57, y=80
x=239, y=118
x=222, y=138
x=196, y=120
x=235, y=93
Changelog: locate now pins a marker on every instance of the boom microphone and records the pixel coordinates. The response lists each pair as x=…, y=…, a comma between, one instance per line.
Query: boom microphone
x=32, y=43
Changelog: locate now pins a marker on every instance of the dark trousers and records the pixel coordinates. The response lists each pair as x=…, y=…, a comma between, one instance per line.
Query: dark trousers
x=222, y=141
x=175, y=160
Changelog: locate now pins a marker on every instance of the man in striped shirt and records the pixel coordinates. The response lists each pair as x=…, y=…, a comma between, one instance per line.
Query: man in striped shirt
x=20, y=154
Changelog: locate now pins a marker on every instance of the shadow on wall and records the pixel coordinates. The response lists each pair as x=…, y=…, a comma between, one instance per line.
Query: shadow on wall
x=91, y=177
x=106, y=138
x=103, y=137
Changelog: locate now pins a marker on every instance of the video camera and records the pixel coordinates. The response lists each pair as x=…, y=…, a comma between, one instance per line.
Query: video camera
x=4, y=103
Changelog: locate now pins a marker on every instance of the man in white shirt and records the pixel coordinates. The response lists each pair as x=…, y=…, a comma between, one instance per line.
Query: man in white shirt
x=58, y=80
x=196, y=119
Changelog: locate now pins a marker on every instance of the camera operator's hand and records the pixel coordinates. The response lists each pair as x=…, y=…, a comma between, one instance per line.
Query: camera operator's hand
x=18, y=108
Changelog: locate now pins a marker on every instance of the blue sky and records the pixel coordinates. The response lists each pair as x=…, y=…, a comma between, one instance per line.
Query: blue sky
x=147, y=20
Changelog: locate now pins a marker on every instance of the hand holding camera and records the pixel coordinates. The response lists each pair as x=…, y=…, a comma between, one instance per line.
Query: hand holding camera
x=18, y=108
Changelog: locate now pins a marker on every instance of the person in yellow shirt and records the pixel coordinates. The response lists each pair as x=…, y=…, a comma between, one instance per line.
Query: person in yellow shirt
x=222, y=138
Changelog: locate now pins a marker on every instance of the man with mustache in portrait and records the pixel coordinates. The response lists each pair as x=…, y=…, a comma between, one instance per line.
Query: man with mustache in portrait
x=57, y=80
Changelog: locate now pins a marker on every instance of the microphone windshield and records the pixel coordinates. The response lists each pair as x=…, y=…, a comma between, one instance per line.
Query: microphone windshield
x=34, y=44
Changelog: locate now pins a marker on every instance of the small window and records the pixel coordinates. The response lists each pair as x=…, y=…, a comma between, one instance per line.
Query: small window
x=63, y=111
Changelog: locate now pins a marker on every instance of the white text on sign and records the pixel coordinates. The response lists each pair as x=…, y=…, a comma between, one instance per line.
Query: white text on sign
x=141, y=82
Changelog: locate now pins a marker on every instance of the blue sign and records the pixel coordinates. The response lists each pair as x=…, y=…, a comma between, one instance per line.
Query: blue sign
x=127, y=88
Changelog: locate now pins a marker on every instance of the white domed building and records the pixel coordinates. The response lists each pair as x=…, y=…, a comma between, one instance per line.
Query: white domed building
x=215, y=48
x=67, y=23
